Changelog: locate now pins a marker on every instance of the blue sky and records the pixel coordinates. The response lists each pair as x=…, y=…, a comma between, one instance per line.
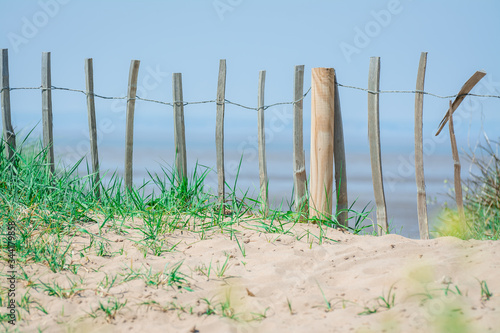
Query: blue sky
x=191, y=36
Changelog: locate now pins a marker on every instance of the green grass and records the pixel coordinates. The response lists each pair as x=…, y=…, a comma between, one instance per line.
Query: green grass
x=481, y=199
x=386, y=301
x=49, y=210
x=41, y=215
x=54, y=289
x=108, y=309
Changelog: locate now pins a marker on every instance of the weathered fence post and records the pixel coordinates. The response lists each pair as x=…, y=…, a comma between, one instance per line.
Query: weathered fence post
x=89, y=82
x=340, y=163
x=48, y=139
x=179, y=129
x=299, y=159
x=466, y=88
x=9, y=136
x=457, y=168
x=129, y=134
x=264, y=182
x=374, y=139
x=322, y=142
x=219, y=128
x=423, y=225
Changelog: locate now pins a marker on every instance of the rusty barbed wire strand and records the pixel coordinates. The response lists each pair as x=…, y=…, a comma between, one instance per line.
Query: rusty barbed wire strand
x=265, y=107
x=414, y=92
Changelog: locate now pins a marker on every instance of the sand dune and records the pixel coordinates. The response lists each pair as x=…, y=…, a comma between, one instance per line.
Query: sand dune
x=269, y=283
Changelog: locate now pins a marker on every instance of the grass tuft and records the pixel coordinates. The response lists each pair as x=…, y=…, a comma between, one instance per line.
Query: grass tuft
x=481, y=201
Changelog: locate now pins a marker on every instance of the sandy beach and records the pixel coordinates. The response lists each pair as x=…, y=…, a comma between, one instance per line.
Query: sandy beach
x=245, y=280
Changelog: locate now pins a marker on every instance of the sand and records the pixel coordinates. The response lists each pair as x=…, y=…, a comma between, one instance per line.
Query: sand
x=270, y=282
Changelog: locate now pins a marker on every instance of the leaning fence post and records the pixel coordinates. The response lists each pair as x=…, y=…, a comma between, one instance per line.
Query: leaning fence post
x=423, y=225
x=48, y=139
x=219, y=128
x=89, y=82
x=322, y=142
x=264, y=182
x=374, y=139
x=340, y=162
x=457, y=169
x=179, y=129
x=129, y=135
x=466, y=88
x=299, y=162
x=9, y=136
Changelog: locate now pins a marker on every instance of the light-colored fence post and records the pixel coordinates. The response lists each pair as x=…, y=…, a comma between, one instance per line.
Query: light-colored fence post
x=89, y=83
x=9, y=136
x=179, y=129
x=340, y=162
x=299, y=159
x=129, y=134
x=423, y=225
x=48, y=139
x=219, y=129
x=374, y=139
x=322, y=142
x=264, y=182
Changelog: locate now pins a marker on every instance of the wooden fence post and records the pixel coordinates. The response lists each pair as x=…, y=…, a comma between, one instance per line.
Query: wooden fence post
x=264, y=182
x=374, y=139
x=48, y=139
x=466, y=88
x=423, y=225
x=9, y=136
x=129, y=134
x=340, y=163
x=179, y=129
x=299, y=159
x=219, y=128
x=322, y=142
x=457, y=169
x=89, y=83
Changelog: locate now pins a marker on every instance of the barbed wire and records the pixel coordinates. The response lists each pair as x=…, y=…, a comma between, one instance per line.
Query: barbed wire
x=414, y=92
x=184, y=103
x=265, y=107
x=83, y=92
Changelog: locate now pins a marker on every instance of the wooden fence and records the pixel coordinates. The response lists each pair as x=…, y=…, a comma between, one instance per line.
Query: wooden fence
x=327, y=138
